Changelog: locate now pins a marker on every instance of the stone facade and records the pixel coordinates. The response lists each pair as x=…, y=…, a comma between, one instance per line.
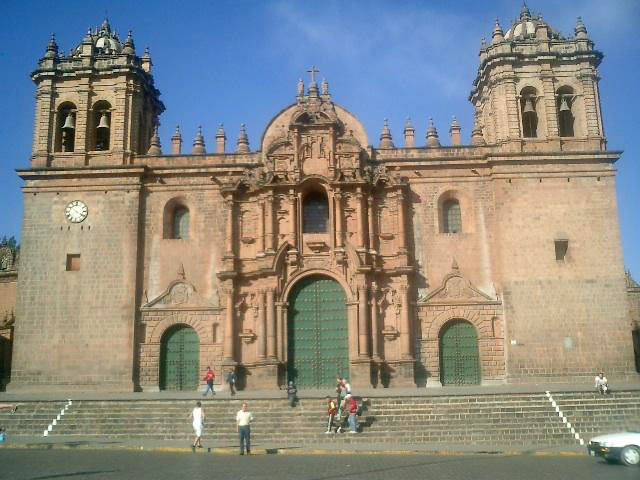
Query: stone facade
x=516, y=235
x=9, y=259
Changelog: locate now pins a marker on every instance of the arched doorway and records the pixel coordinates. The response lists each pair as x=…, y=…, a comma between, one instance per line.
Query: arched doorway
x=459, y=359
x=179, y=359
x=317, y=333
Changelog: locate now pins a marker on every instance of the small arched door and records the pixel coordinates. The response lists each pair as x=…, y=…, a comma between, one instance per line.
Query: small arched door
x=317, y=333
x=180, y=359
x=459, y=359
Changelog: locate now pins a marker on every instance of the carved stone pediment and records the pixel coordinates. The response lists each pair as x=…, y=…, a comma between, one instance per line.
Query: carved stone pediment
x=180, y=295
x=456, y=289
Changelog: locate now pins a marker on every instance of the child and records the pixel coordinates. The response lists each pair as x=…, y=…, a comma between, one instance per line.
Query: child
x=332, y=409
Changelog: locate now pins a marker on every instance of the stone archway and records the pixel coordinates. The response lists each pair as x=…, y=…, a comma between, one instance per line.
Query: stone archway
x=459, y=355
x=317, y=332
x=180, y=359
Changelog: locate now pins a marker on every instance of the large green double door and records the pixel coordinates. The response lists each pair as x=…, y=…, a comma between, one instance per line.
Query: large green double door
x=180, y=359
x=459, y=359
x=317, y=333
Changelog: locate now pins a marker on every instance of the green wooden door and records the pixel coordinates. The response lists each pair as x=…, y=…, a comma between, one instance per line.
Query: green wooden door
x=180, y=359
x=459, y=360
x=317, y=346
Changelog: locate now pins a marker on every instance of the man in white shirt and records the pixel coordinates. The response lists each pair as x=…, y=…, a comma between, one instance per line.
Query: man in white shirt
x=243, y=425
x=197, y=418
x=602, y=384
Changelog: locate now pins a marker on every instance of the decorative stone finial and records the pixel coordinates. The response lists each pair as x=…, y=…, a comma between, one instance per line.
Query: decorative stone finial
x=146, y=60
x=88, y=38
x=325, y=87
x=221, y=139
x=176, y=141
x=155, y=147
x=129, y=47
x=409, y=134
x=525, y=14
x=147, y=53
x=242, y=145
x=483, y=43
x=454, y=266
x=497, y=35
x=385, y=137
x=198, y=143
x=181, y=274
x=476, y=134
x=454, y=131
x=300, y=87
x=105, y=27
x=52, y=47
x=432, y=135
x=581, y=30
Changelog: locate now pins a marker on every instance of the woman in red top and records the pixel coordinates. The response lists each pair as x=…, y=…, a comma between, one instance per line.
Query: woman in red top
x=209, y=377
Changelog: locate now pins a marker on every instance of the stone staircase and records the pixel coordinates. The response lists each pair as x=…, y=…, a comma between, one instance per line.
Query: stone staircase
x=487, y=419
x=31, y=418
x=593, y=414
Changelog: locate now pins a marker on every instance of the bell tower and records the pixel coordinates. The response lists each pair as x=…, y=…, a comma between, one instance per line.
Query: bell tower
x=536, y=89
x=95, y=106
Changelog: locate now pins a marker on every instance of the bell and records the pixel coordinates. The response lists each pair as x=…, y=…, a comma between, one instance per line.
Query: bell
x=104, y=121
x=528, y=106
x=564, y=106
x=69, y=124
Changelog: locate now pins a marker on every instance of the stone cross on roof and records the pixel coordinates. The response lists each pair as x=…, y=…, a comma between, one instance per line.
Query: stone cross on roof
x=313, y=70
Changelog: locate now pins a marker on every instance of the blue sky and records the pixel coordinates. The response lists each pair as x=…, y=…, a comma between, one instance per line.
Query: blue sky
x=238, y=62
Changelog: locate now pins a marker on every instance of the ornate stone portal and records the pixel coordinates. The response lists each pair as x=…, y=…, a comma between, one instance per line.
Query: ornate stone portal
x=316, y=148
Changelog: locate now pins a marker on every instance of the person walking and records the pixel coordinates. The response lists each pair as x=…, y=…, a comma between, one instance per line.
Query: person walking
x=291, y=394
x=197, y=420
x=209, y=378
x=231, y=380
x=352, y=408
x=243, y=425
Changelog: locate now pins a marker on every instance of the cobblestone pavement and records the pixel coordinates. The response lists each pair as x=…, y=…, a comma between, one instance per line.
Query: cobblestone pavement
x=19, y=464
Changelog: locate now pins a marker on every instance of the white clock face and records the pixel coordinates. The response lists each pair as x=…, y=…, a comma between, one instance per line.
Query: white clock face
x=76, y=211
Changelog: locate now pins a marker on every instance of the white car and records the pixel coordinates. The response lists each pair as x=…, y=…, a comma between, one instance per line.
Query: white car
x=623, y=446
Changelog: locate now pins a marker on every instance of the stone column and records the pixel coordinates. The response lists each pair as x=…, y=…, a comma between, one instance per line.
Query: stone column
x=372, y=239
x=549, y=96
x=280, y=330
x=402, y=222
x=270, y=244
x=405, y=324
x=363, y=323
x=352, y=311
x=293, y=218
x=261, y=327
x=513, y=111
x=375, y=327
x=360, y=217
x=271, y=326
x=228, y=326
x=337, y=198
x=261, y=229
x=229, y=233
x=592, y=123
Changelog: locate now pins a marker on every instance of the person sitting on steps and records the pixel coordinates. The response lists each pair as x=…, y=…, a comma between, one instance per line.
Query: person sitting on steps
x=602, y=385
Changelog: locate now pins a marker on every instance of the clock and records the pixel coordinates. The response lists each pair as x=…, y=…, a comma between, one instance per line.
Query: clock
x=76, y=211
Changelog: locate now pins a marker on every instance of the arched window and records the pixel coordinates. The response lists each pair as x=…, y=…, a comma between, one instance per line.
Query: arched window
x=66, y=128
x=315, y=213
x=181, y=223
x=102, y=125
x=451, y=218
x=528, y=111
x=566, y=117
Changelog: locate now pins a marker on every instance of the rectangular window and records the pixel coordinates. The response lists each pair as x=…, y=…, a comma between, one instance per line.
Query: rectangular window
x=561, y=249
x=73, y=262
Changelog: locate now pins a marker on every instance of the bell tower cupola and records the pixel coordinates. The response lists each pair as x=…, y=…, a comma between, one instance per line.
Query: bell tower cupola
x=535, y=86
x=95, y=106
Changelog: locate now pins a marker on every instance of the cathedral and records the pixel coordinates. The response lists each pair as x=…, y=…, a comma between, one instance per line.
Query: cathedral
x=317, y=255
